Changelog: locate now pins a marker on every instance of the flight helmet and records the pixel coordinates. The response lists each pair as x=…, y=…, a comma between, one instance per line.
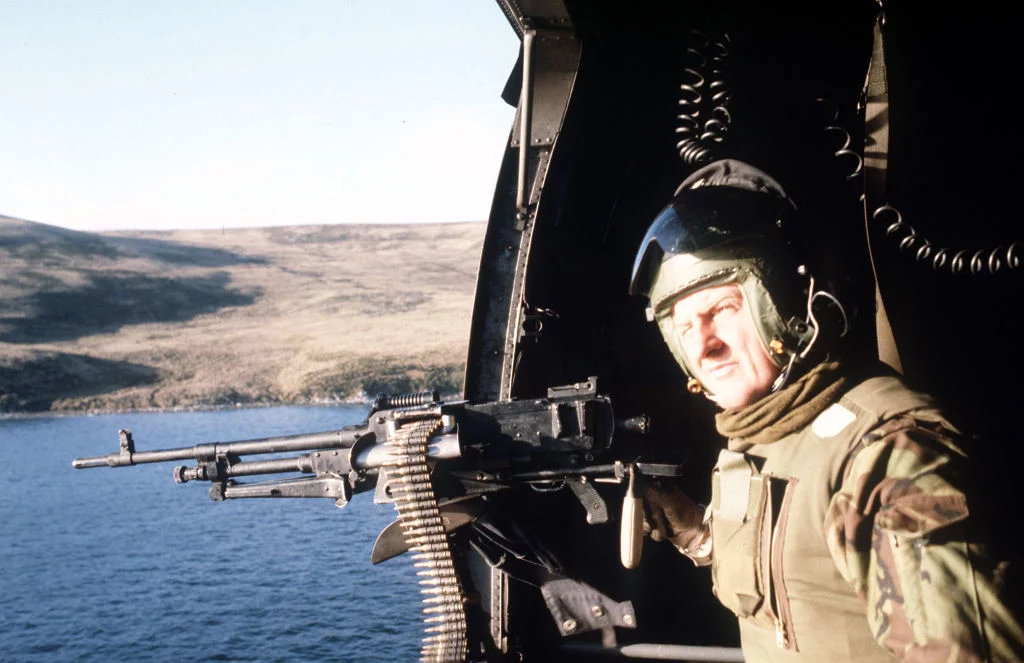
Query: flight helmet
x=730, y=222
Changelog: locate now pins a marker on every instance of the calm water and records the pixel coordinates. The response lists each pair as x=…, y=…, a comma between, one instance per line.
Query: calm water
x=122, y=564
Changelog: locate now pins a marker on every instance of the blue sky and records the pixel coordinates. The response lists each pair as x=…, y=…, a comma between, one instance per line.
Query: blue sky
x=123, y=114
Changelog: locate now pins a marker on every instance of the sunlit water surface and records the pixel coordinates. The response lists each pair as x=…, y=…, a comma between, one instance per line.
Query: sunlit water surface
x=122, y=564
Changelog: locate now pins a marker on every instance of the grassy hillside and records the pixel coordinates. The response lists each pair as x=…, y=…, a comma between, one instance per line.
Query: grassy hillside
x=211, y=317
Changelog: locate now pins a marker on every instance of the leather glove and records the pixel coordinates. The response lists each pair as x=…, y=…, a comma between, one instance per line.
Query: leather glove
x=670, y=515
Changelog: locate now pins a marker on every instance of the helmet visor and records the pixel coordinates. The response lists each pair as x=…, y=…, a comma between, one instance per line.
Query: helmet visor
x=700, y=219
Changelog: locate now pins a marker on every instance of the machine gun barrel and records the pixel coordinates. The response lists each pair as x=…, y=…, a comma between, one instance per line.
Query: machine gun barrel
x=128, y=457
x=441, y=447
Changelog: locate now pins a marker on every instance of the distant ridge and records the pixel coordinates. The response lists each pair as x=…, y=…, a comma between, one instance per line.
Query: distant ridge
x=194, y=318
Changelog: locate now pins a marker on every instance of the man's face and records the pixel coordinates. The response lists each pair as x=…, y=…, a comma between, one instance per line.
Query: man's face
x=722, y=345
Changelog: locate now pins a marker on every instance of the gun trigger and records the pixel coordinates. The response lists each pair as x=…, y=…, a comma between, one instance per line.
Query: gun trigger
x=597, y=510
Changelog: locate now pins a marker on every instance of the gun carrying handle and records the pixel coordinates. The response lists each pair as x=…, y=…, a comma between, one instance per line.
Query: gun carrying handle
x=631, y=538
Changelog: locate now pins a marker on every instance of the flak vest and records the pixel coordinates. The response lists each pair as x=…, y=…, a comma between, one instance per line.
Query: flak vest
x=771, y=564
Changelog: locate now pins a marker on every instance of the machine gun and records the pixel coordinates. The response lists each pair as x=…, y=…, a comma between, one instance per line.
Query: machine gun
x=562, y=440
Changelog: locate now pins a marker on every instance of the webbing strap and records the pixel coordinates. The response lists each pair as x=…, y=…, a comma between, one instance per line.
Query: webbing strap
x=876, y=163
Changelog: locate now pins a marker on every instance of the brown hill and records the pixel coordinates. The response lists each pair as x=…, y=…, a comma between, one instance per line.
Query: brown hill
x=100, y=321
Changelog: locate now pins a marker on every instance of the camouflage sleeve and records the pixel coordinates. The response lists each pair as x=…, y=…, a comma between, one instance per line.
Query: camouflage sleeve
x=897, y=531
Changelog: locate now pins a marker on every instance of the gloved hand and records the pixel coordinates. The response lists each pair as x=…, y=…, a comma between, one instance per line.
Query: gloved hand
x=670, y=515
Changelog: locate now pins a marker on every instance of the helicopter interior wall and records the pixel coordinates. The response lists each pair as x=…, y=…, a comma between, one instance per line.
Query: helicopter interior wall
x=615, y=165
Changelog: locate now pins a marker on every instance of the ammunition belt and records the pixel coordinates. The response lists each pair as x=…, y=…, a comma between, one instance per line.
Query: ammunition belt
x=443, y=600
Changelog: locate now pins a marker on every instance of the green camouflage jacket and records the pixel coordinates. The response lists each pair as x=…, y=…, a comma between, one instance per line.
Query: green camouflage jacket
x=852, y=539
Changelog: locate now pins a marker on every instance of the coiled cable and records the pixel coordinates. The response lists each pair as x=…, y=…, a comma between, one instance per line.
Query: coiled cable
x=907, y=240
x=840, y=144
x=957, y=261
x=703, y=119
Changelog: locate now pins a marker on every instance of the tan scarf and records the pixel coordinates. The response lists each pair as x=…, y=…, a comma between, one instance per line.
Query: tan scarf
x=787, y=410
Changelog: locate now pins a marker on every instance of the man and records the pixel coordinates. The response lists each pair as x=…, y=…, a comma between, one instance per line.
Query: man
x=839, y=526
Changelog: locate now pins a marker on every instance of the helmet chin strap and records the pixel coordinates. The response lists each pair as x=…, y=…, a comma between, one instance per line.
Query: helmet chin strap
x=783, y=375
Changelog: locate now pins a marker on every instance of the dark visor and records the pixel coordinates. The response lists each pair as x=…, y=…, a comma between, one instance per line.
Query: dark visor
x=700, y=219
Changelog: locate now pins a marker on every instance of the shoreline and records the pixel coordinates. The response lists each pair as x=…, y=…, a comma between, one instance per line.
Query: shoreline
x=44, y=414
x=200, y=407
